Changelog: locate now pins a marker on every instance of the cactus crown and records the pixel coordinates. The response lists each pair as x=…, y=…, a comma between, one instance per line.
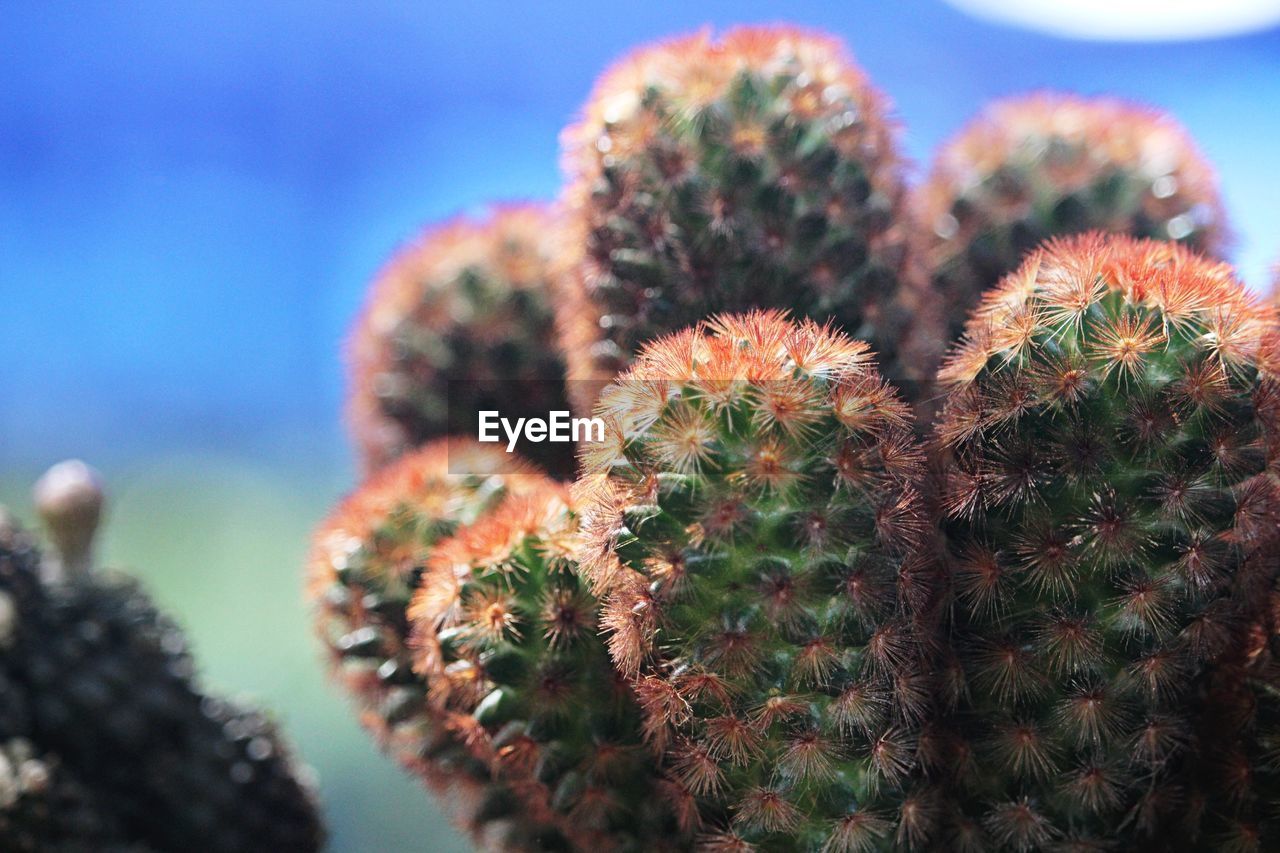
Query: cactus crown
x=754, y=171
x=1107, y=437
x=746, y=520
x=454, y=322
x=1046, y=165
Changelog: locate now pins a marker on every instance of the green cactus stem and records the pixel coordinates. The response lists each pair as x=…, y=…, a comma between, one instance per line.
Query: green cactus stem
x=366, y=561
x=1049, y=165
x=1108, y=452
x=750, y=521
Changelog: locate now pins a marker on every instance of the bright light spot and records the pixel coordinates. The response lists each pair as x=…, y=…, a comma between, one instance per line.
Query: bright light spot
x=1180, y=226
x=1131, y=20
x=947, y=226
x=1164, y=186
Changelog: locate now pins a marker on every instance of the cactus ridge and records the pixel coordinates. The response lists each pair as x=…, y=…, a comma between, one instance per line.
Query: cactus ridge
x=747, y=521
x=1109, y=454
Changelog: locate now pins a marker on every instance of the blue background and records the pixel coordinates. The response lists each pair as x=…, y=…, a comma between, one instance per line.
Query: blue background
x=192, y=198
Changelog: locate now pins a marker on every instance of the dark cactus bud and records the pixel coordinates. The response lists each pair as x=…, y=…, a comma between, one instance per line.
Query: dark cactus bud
x=69, y=498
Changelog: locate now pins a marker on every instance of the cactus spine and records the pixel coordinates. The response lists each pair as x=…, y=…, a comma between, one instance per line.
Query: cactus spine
x=1049, y=165
x=1108, y=437
x=748, y=518
x=758, y=170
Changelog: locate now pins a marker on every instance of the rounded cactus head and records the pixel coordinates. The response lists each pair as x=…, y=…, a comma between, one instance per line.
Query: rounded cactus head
x=459, y=321
x=1109, y=486
x=1048, y=165
x=366, y=561
x=750, y=521
x=755, y=170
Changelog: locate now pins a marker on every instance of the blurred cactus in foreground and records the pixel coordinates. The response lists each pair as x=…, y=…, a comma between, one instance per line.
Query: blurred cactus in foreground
x=752, y=520
x=756, y=170
x=45, y=809
x=1110, y=441
x=460, y=320
x=1049, y=165
x=108, y=742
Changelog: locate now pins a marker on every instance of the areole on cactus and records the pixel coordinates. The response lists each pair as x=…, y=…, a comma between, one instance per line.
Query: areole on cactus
x=750, y=521
x=1109, y=444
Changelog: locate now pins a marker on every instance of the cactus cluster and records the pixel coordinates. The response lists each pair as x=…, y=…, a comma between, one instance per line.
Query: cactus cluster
x=108, y=743
x=1023, y=600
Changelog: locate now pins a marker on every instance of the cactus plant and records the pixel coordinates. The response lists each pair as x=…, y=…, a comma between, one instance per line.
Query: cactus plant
x=766, y=617
x=100, y=697
x=1046, y=165
x=749, y=520
x=460, y=320
x=507, y=640
x=365, y=564
x=43, y=807
x=1109, y=445
x=758, y=170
